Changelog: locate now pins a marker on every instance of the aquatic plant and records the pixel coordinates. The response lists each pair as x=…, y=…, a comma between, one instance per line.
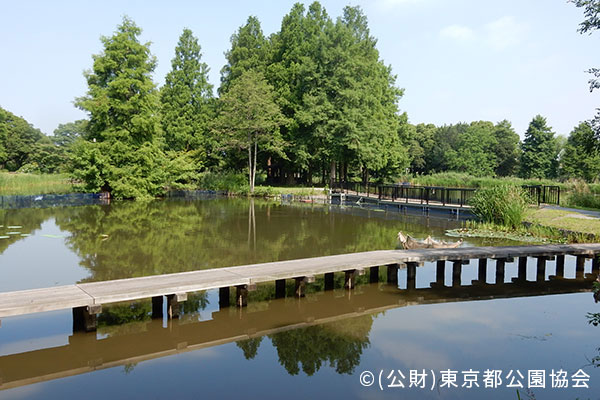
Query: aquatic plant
x=501, y=205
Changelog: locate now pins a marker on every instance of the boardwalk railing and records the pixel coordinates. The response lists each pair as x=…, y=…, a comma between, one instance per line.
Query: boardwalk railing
x=540, y=194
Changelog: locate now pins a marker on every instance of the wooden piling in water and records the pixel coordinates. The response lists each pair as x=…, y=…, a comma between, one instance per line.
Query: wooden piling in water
x=157, y=307
x=411, y=275
x=392, y=274
x=500, y=266
x=374, y=274
x=224, y=297
x=280, y=288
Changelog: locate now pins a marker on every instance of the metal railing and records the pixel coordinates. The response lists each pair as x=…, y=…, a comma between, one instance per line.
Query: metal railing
x=437, y=194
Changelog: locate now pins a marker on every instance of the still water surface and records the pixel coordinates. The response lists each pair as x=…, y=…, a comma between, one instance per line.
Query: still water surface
x=317, y=346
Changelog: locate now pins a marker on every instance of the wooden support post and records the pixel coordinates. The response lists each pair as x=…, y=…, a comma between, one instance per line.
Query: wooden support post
x=596, y=264
x=241, y=295
x=500, y=264
x=224, y=297
x=482, y=270
x=541, y=269
x=301, y=285
x=411, y=275
x=579, y=267
x=522, y=269
x=456, y=272
x=374, y=274
x=392, y=274
x=85, y=319
x=560, y=265
x=173, y=300
x=440, y=272
x=350, y=278
x=329, y=281
x=280, y=288
x=157, y=307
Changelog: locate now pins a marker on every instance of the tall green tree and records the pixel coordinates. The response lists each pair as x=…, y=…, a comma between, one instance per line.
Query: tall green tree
x=506, y=150
x=18, y=140
x=590, y=24
x=298, y=74
x=186, y=98
x=581, y=156
x=249, y=51
x=539, y=150
x=66, y=134
x=121, y=154
x=363, y=122
x=475, y=150
x=249, y=119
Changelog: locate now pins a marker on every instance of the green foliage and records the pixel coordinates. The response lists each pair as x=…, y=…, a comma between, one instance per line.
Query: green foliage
x=581, y=156
x=581, y=196
x=475, y=150
x=66, y=134
x=507, y=149
x=122, y=154
x=539, y=150
x=18, y=141
x=249, y=119
x=249, y=51
x=226, y=181
x=186, y=98
x=502, y=205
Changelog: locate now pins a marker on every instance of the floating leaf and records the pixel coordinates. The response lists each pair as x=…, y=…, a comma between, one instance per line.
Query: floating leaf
x=14, y=227
x=25, y=234
x=54, y=236
x=13, y=233
x=4, y=237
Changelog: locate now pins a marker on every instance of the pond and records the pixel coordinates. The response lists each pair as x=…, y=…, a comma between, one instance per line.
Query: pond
x=439, y=341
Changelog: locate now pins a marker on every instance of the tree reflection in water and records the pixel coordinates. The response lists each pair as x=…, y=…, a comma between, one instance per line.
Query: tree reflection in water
x=340, y=343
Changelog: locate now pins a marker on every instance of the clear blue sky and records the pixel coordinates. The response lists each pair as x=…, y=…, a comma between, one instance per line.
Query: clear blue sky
x=459, y=60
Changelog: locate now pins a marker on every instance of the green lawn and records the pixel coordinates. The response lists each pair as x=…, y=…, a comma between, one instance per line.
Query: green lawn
x=569, y=220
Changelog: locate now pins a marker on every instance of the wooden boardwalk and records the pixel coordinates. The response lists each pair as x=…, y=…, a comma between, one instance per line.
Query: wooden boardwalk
x=91, y=296
x=150, y=340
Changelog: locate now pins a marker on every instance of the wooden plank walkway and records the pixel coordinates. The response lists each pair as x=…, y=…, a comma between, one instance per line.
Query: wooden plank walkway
x=150, y=340
x=98, y=293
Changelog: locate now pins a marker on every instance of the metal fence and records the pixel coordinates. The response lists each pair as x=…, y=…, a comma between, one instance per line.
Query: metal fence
x=543, y=194
x=437, y=194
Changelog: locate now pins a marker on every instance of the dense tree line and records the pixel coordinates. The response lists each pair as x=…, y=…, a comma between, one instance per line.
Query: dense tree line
x=311, y=102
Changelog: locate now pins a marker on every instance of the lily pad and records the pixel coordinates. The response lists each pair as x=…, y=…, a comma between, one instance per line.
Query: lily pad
x=13, y=233
x=14, y=227
x=25, y=234
x=4, y=237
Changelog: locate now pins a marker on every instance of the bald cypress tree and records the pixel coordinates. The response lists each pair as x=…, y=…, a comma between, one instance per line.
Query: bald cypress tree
x=186, y=98
x=538, y=159
x=121, y=154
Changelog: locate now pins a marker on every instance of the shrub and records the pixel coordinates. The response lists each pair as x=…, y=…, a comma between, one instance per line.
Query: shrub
x=582, y=196
x=501, y=205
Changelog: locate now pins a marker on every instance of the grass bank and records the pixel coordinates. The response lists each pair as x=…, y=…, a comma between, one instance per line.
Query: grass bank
x=565, y=220
x=32, y=184
x=541, y=225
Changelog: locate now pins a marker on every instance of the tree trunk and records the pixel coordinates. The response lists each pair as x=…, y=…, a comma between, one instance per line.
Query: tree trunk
x=254, y=166
x=332, y=175
x=250, y=177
